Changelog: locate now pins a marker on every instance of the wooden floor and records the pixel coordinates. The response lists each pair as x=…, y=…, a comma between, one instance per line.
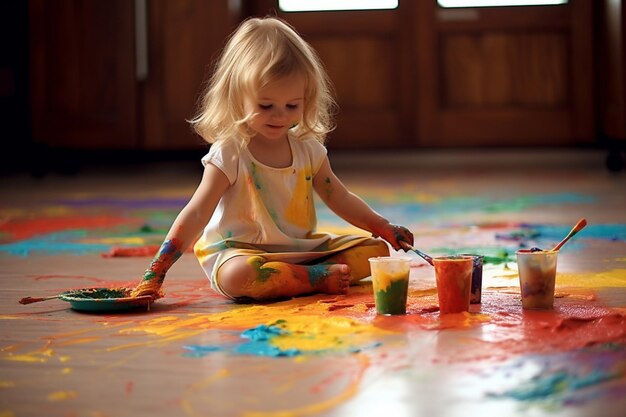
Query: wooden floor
x=195, y=354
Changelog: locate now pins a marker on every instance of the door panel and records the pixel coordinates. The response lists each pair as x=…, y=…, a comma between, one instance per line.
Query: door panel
x=509, y=76
x=82, y=73
x=367, y=55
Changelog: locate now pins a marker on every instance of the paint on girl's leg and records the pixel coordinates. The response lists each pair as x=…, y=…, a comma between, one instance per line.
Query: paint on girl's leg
x=263, y=273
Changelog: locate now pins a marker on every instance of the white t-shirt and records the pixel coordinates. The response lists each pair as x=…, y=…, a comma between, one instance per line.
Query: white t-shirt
x=270, y=209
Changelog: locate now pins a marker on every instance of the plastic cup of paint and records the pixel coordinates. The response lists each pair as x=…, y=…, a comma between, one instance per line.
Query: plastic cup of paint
x=477, y=278
x=454, y=281
x=390, y=279
x=537, y=275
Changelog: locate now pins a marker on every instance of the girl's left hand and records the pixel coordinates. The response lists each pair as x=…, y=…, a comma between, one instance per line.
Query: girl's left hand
x=394, y=234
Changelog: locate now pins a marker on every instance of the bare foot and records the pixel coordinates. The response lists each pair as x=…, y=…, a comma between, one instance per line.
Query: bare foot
x=337, y=281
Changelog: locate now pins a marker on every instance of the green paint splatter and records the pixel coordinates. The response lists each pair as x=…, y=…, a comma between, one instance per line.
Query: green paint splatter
x=263, y=273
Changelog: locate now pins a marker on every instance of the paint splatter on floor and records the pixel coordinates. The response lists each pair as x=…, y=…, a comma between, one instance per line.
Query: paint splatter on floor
x=197, y=354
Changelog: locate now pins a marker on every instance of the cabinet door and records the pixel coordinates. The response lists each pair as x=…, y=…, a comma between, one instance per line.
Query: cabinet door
x=505, y=76
x=368, y=55
x=184, y=37
x=612, y=68
x=83, y=89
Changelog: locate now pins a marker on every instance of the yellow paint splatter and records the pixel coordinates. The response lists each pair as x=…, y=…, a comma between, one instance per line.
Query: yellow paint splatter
x=40, y=356
x=314, y=333
x=62, y=396
x=7, y=413
x=7, y=384
x=300, y=210
x=612, y=278
x=9, y=317
x=130, y=241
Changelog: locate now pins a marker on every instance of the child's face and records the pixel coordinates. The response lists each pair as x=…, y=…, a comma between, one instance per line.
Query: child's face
x=278, y=107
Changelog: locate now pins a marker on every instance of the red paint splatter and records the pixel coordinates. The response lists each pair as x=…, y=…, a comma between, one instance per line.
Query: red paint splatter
x=117, y=251
x=19, y=229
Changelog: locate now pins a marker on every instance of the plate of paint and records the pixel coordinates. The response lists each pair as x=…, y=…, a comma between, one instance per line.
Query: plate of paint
x=98, y=299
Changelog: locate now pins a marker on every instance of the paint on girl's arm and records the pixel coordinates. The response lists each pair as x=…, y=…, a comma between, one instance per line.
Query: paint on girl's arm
x=169, y=253
x=329, y=188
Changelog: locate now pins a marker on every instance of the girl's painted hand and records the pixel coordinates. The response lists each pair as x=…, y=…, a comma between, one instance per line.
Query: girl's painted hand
x=155, y=274
x=395, y=234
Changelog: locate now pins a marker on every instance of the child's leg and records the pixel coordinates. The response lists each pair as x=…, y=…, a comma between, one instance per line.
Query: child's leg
x=254, y=277
x=357, y=258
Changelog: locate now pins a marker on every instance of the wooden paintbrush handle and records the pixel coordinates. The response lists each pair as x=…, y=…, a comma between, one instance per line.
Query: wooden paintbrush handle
x=30, y=300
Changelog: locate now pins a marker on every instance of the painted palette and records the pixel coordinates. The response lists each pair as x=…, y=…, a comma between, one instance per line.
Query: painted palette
x=99, y=299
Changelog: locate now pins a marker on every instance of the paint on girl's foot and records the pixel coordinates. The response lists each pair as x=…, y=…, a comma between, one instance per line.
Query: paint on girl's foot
x=317, y=274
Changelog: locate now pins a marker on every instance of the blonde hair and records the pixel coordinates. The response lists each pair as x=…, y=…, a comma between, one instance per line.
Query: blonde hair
x=260, y=51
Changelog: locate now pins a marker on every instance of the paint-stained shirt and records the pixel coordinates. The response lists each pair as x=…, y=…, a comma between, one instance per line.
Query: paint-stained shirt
x=266, y=208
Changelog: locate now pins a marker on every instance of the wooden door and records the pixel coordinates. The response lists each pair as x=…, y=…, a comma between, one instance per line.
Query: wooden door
x=369, y=58
x=184, y=37
x=612, y=68
x=423, y=76
x=504, y=76
x=87, y=92
x=83, y=91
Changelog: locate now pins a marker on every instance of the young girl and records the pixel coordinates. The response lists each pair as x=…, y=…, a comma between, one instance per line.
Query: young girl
x=266, y=112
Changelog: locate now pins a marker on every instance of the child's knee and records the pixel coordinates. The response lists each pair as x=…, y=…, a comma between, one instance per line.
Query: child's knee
x=236, y=275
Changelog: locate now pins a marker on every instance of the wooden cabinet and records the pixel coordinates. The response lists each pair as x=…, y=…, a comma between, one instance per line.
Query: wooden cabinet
x=612, y=68
x=611, y=34
x=86, y=92
x=505, y=76
x=424, y=76
x=419, y=76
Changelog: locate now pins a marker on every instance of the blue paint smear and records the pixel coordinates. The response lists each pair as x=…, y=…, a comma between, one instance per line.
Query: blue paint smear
x=55, y=243
x=259, y=344
x=453, y=205
x=199, y=351
x=550, y=235
x=566, y=378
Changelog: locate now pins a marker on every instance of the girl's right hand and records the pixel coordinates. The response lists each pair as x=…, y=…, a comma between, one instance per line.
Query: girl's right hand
x=395, y=235
x=151, y=287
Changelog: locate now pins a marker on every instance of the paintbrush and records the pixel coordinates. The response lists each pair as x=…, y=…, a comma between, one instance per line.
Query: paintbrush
x=29, y=300
x=577, y=228
x=427, y=258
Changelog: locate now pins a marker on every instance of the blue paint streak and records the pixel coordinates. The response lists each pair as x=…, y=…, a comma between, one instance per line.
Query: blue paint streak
x=566, y=378
x=259, y=344
x=200, y=351
x=55, y=243
x=453, y=205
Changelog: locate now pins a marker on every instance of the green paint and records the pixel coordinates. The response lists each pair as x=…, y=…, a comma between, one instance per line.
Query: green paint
x=393, y=300
x=329, y=189
x=263, y=273
x=494, y=256
x=98, y=293
x=253, y=170
x=149, y=275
